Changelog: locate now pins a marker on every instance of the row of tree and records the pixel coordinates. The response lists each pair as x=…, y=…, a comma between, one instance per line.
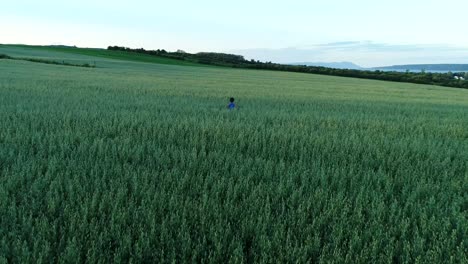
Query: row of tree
x=55, y=62
x=237, y=61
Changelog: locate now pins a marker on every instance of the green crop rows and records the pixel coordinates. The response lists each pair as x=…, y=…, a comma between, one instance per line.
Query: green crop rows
x=141, y=162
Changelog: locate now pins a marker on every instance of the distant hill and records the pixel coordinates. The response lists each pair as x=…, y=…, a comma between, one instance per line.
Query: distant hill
x=213, y=59
x=427, y=67
x=335, y=65
x=63, y=46
x=25, y=51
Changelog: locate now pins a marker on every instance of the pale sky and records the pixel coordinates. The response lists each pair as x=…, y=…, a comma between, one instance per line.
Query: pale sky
x=366, y=32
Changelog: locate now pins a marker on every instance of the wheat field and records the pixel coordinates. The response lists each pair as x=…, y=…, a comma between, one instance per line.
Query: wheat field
x=136, y=161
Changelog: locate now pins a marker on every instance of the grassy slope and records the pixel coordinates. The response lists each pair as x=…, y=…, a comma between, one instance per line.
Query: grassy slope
x=141, y=161
x=90, y=53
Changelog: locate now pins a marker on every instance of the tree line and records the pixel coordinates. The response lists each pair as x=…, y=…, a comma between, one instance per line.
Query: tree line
x=63, y=63
x=237, y=61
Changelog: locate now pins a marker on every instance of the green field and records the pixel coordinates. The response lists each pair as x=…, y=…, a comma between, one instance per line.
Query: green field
x=138, y=160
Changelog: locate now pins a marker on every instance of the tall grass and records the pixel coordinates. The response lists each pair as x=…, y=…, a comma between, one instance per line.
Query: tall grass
x=144, y=164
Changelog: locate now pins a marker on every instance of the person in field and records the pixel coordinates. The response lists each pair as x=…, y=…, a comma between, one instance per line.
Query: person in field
x=231, y=105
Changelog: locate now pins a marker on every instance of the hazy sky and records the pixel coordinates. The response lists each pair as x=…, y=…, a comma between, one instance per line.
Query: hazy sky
x=366, y=32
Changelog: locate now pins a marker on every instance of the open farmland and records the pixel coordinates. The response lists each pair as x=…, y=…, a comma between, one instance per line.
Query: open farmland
x=139, y=161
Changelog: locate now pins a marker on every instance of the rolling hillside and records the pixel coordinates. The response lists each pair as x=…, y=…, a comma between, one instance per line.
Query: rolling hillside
x=88, y=55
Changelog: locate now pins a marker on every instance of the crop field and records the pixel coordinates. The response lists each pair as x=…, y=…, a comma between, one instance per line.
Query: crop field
x=138, y=160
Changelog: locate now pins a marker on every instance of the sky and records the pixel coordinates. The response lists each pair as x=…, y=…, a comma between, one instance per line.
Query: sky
x=366, y=32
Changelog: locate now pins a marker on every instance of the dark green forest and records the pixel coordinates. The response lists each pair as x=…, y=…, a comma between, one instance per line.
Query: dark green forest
x=237, y=61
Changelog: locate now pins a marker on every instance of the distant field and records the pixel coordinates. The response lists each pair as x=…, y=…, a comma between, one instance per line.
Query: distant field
x=82, y=54
x=138, y=160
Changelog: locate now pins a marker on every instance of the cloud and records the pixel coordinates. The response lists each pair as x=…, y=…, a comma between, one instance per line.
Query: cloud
x=379, y=47
x=365, y=53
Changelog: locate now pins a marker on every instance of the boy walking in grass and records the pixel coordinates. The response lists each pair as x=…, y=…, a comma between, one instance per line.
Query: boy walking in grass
x=231, y=105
